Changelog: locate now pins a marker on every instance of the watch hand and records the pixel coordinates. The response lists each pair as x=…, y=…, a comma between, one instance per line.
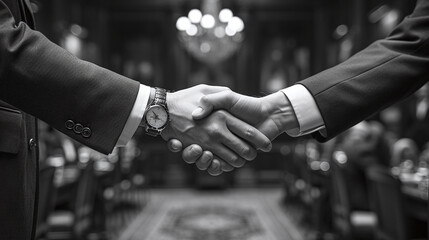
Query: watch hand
x=154, y=117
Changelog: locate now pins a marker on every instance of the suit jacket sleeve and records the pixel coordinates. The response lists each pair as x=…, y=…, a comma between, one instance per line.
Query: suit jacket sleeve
x=376, y=77
x=46, y=81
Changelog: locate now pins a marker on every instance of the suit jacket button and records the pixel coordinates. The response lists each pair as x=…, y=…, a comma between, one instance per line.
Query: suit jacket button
x=86, y=132
x=32, y=143
x=78, y=128
x=69, y=124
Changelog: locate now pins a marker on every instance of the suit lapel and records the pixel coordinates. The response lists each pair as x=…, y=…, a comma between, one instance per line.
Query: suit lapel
x=28, y=13
x=14, y=8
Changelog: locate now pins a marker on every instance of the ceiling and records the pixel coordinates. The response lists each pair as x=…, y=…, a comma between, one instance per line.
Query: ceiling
x=242, y=4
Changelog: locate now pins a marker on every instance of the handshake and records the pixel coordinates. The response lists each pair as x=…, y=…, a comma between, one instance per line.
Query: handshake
x=221, y=129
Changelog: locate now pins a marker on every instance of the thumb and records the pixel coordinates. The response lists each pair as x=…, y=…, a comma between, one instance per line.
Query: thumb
x=174, y=145
x=210, y=102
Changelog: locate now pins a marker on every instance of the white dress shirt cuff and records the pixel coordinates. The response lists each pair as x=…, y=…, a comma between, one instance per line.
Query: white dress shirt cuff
x=306, y=111
x=135, y=117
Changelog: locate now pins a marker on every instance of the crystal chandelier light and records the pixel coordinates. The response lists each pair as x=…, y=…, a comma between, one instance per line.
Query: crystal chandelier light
x=211, y=35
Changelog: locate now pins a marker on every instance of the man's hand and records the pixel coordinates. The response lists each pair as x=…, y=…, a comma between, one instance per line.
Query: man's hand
x=205, y=159
x=228, y=138
x=271, y=114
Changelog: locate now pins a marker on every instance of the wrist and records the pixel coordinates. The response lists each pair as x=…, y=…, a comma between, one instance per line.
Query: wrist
x=150, y=100
x=171, y=107
x=151, y=96
x=280, y=111
x=177, y=116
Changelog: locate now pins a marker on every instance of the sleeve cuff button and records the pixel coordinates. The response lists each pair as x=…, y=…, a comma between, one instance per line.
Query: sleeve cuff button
x=69, y=124
x=86, y=132
x=78, y=128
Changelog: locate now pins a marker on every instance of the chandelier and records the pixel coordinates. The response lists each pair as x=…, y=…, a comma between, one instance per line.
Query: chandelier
x=211, y=35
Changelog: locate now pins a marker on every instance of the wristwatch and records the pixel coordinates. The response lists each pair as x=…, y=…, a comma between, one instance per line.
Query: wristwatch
x=156, y=116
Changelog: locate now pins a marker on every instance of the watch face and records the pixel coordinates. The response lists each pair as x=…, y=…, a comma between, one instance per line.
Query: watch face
x=156, y=116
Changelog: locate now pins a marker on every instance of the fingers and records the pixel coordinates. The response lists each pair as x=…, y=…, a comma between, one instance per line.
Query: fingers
x=250, y=134
x=234, y=143
x=174, y=145
x=192, y=153
x=225, y=166
x=213, y=164
x=226, y=154
x=218, y=167
x=215, y=168
x=239, y=147
x=219, y=100
x=204, y=161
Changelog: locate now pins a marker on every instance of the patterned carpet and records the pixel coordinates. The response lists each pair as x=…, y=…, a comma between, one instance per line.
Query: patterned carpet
x=221, y=215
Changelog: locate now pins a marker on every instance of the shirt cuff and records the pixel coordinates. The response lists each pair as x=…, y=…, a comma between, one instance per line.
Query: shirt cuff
x=135, y=117
x=307, y=113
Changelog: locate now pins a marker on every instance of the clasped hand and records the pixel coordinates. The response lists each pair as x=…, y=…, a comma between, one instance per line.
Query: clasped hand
x=222, y=129
x=221, y=135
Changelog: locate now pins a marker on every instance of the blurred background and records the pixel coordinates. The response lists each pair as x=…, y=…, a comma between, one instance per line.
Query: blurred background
x=369, y=183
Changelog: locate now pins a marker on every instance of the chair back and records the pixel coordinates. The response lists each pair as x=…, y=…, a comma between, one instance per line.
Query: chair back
x=387, y=199
x=340, y=199
x=85, y=201
x=46, y=200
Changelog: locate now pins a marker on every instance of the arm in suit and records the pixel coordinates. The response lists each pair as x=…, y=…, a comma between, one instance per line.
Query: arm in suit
x=383, y=73
x=92, y=104
x=376, y=77
x=46, y=81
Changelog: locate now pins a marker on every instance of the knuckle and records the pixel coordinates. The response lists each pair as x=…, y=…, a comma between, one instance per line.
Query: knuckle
x=227, y=89
x=221, y=115
x=215, y=131
x=205, y=88
x=204, y=99
x=250, y=132
x=229, y=94
x=206, y=140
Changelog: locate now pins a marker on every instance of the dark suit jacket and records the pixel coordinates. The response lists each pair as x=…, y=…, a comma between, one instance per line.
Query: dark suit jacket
x=84, y=101
x=376, y=77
